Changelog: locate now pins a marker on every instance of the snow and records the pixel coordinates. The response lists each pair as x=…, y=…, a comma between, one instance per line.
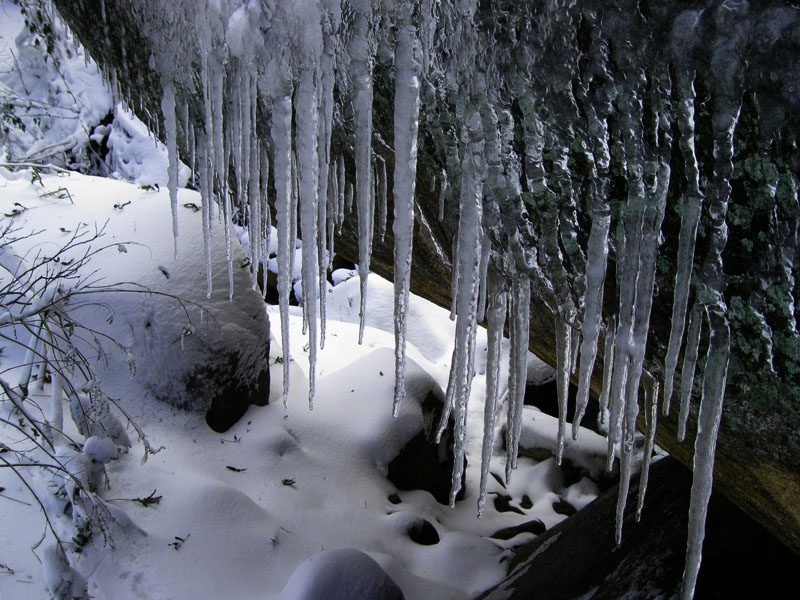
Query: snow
x=340, y=574
x=309, y=476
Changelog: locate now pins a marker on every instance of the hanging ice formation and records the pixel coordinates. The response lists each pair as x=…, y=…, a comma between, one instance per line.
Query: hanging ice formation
x=525, y=131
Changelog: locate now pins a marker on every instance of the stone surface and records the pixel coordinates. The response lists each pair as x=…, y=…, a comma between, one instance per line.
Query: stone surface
x=578, y=559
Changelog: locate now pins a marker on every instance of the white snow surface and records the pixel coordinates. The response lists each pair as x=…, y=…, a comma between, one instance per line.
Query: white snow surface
x=310, y=480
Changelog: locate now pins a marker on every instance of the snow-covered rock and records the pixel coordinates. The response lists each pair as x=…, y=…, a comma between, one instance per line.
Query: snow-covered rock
x=196, y=353
x=341, y=574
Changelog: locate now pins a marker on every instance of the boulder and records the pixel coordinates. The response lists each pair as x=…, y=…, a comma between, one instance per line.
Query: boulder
x=341, y=574
x=198, y=353
x=578, y=558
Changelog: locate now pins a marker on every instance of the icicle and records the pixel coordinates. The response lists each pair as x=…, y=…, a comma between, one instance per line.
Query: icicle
x=382, y=194
x=254, y=198
x=340, y=179
x=727, y=108
x=266, y=218
x=324, y=219
x=593, y=302
x=486, y=248
x=705, y=444
x=657, y=175
x=468, y=262
x=442, y=191
x=406, y=124
x=221, y=158
x=171, y=126
x=651, y=417
x=497, y=299
x=186, y=126
x=518, y=367
x=206, y=199
x=689, y=363
x=293, y=199
x=563, y=355
x=627, y=271
x=692, y=205
x=282, y=166
x=361, y=75
x=629, y=414
x=207, y=170
x=193, y=146
x=575, y=343
x=608, y=366
x=306, y=123
x=454, y=277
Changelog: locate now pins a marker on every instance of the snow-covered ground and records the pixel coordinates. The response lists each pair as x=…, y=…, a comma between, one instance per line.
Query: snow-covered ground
x=236, y=514
x=310, y=480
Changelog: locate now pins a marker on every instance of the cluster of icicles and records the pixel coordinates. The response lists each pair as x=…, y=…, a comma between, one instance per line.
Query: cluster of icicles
x=285, y=60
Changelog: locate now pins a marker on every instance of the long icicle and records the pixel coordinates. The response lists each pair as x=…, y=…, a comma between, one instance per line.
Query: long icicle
x=361, y=74
x=306, y=125
x=657, y=175
x=327, y=80
x=406, y=124
x=689, y=363
x=608, y=367
x=593, y=304
x=563, y=356
x=651, y=419
x=517, y=371
x=171, y=127
x=497, y=302
x=711, y=287
x=690, y=219
x=470, y=231
x=282, y=166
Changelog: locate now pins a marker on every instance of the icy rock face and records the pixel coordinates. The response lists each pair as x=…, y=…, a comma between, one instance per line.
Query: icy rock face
x=560, y=148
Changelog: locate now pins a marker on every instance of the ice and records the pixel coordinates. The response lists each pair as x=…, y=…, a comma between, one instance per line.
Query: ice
x=593, y=302
x=382, y=192
x=307, y=123
x=486, y=247
x=563, y=356
x=468, y=263
x=361, y=75
x=442, y=191
x=406, y=124
x=497, y=303
x=518, y=367
x=692, y=204
x=171, y=127
x=282, y=166
x=326, y=209
x=651, y=417
x=707, y=427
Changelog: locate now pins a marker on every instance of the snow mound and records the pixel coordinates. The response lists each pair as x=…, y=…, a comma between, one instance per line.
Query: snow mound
x=185, y=349
x=341, y=574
